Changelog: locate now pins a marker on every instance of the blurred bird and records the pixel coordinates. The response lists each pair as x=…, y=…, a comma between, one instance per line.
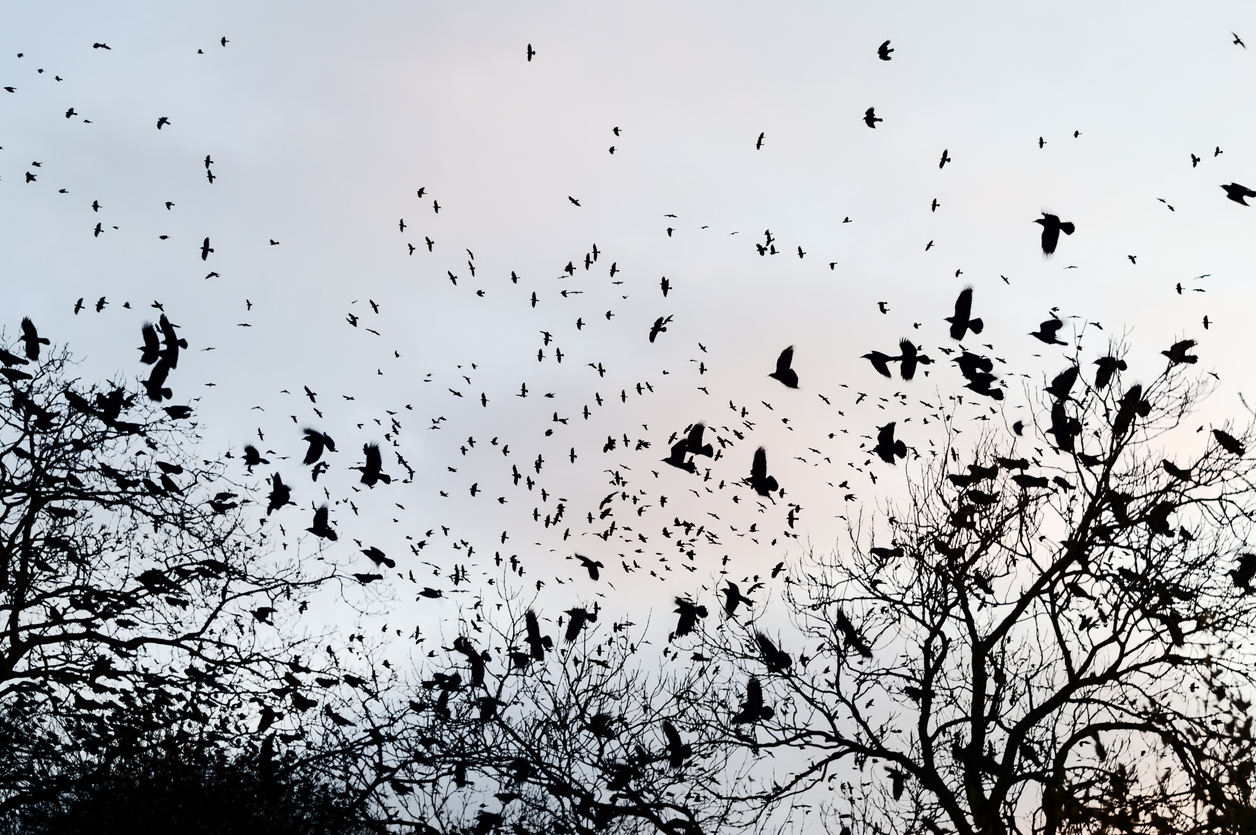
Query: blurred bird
x=1229, y=443
x=962, y=320
x=689, y=613
x=759, y=480
x=883, y=51
x=371, y=469
x=1051, y=229
x=317, y=443
x=783, y=372
x=1107, y=367
x=1047, y=332
x=280, y=494
x=1238, y=193
x=733, y=598
x=752, y=709
x=320, y=527
x=31, y=338
x=677, y=751
x=870, y=117
x=887, y=448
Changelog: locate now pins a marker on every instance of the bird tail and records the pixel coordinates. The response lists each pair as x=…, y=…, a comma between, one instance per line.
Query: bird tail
x=1066, y=228
x=976, y=325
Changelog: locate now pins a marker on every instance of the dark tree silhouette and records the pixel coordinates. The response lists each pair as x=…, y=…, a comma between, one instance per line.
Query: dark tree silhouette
x=1056, y=638
x=131, y=580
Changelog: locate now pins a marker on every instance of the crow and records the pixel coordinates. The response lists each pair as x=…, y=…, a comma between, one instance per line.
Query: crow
x=883, y=51
x=853, y=639
x=752, y=709
x=678, y=458
x=1229, y=443
x=689, y=613
x=171, y=342
x=962, y=320
x=320, y=528
x=870, y=117
x=151, y=349
x=31, y=338
x=776, y=660
x=887, y=448
x=1107, y=367
x=693, y=442
x=536, y=644
x=677, y=751
x=1063, y=383
x=783, y=372
x=734, y=598
x=659, y=326
x=205, y=250
x=591, y=565
x=252, y=457
x=280, y=494
x=1047, y=331
x=371, y=470
x=155, y=385
x=759, y=480
x=376, y=556
x=1052, y=226
x=578, y=618
x=1238, y=193
x=880, y=362
x=1177, y=354
x=909, y=358
x=318, y=442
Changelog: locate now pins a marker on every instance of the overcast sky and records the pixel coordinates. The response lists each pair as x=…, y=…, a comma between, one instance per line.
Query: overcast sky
x=325, y=120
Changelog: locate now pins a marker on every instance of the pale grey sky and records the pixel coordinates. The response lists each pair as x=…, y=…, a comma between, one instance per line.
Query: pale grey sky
x=324, y=119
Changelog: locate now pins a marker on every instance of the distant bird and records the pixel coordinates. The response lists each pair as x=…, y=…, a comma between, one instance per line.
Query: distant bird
x=371, y=469
x=783, y=372
x=573, y=200
x=101, y=46
x=531, y=52
x=734, y=598
x=664, y=284
x=1047, y=331
x=870, y=117
x=206, y=249
x=962, y=321
x=1194, y=160
x=591, y=566
x=887, y=448
x=1238, y=41
x=883, y=51
x=31, y=338
x=689, y=613
x=1052, y=226
x=759, y=480
x=851, y=635
x=1107, y=367
x=280, y=494
x=320, y=527
x=759, y=143
x=693, y=442
x=1238, y=193
x=660, y=326
x=162, y=121
x=78, y=305
x=945, y=159
x=1229, y=443
x=209, y=175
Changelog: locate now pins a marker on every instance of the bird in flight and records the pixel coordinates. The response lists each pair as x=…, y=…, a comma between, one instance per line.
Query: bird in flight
x=945, y=159
x=161, y=122
x=759, y=144
x=1238, y=193
x=531, y=52
x=887, y=448
x=573, y=200
x=883, y=51
x=870, y=117
x=1047, y=331
x=962, y=320
x=759, y=480
x=206, y=249
x=1052, y=226
x=1238, y=41
x=783, y=371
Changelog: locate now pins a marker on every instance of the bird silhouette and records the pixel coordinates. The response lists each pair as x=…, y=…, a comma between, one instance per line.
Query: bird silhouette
x=734, y=598
x=317, y=443
x=759, y=480
x=909, y=357
x=1238, y=193
x=1178, y=355
x=536, y=644
x=375, y=555
x=280, y=494
x=853, y=639
x=783, y=372
x=155, y=385
x=1047, y=331
x=31, y=338
x=1052, y=226
x=591, y=566
x=660, y=326
x=880, y=362
x=759, y=142
x=151, y=349
x=689, y=613
x=752, y=709
x=887, y=448
x=776, y=660
x=1063, y=383
x=693, y=441
x=678, y=457
x=577, y=618
x=677, y=750
x=206, y=249
x=883, y=51
x=1229, y=443
x=252, y=457
x=531, y=52
x=371, y=473
x=161, y=122
x=962, y=320
x=945, y=159
x=1107, y=367
x=870, y=117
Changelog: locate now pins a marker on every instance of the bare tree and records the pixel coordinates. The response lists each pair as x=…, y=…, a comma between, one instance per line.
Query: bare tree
x=132, y=583
x=1055, y=637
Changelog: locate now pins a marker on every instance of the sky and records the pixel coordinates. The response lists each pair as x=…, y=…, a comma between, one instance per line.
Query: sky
x=325, y=121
